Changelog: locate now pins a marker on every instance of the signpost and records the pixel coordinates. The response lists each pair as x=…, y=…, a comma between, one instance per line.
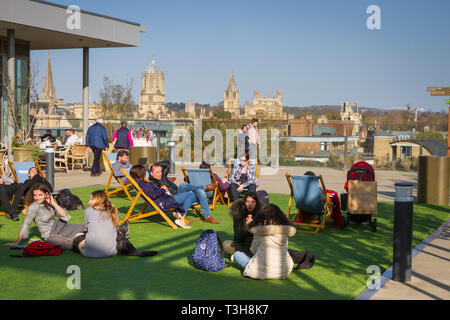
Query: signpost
x=443, y=91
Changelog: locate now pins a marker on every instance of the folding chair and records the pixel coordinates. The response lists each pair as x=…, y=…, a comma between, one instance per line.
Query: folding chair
x=233, y=162
x=306, y=193
x=155, y=210
x=110, y=158
x=202, y=177
x=20, y=172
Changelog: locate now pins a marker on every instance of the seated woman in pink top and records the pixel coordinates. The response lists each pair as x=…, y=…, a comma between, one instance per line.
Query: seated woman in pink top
x=122, y=137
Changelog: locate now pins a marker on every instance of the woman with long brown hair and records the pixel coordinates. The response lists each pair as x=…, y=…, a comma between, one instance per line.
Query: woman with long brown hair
x=101, y=220
x=42, y=211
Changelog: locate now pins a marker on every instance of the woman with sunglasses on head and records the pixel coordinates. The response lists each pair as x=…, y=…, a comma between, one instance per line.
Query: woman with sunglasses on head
x=242, y=176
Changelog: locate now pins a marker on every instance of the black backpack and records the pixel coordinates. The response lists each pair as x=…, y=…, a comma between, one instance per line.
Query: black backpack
x=69, y=201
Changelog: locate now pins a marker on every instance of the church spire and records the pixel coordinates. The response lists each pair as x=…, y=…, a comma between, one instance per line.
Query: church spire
x=231, y=83
x=48, y=91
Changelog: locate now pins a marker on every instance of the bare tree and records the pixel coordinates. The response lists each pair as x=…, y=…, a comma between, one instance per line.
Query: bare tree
x=116, y=101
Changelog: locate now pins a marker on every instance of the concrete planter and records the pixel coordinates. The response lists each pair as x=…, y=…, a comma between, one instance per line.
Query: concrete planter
x=22, y=154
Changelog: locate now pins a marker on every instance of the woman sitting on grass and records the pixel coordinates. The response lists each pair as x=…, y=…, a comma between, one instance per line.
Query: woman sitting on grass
x=242, y=212
x=42, y=211
x=162, y=199
x=271, y=259
x=103, y=237
x=101, y=220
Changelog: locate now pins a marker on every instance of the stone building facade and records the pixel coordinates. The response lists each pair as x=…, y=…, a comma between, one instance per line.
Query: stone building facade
x=265, y=107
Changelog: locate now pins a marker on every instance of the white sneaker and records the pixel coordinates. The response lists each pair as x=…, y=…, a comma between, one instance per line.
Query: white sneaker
x=232, y=257
x=178, y=223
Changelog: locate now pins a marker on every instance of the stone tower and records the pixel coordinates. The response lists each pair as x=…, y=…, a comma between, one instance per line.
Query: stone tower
x=231, y=99
x=152, y=98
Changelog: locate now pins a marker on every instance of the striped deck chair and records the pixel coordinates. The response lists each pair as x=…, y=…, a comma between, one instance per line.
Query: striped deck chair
x=110, y=158
x=306, y=193
x=202, y=177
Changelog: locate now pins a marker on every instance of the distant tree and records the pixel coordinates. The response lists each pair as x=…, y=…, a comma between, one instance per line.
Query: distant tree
x=221, y=114
x=116, y=101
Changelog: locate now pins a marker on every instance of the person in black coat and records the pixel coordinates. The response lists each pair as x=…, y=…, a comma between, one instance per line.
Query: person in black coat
x=17, y=190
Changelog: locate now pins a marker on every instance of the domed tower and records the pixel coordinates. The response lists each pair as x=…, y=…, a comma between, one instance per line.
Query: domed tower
x=152, y=97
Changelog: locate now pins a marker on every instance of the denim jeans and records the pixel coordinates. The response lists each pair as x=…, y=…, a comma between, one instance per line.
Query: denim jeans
x=186, y=199
x=200, y=194
x=241, y=259
x=234, y=194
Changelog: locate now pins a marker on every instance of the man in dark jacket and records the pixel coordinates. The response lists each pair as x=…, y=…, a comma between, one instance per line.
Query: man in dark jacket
x=97, y=140
x=158, y=178
x=18, y=190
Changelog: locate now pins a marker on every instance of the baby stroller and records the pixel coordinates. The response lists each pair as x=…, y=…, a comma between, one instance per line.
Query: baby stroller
x=360, y=171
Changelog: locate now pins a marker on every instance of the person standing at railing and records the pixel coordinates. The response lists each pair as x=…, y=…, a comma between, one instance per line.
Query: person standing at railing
x=253, y=138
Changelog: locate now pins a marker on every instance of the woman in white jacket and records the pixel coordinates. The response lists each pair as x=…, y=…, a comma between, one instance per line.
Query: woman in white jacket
x=271, y=260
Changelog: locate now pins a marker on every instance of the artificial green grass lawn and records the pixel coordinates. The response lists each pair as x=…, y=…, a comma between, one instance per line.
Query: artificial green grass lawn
x=340, y=271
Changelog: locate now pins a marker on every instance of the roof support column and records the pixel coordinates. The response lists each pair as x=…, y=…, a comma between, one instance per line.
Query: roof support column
x=11, y=99
x=85, y=92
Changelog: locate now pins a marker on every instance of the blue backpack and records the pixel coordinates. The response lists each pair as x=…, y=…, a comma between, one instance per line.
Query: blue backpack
x=208, y=254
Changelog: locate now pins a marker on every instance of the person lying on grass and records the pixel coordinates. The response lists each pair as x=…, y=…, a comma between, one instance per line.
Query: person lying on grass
x=103, y=237
x=42, y=211
x=271, y=259
x=161, y=197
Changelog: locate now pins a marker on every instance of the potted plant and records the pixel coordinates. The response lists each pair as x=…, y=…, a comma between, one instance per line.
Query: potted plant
x=142, y=136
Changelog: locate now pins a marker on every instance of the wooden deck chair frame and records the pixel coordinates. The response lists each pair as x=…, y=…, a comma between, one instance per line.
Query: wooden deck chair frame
x=231, y=162
x=217, y=195
x=16, y=178
x=142, y=214
x=36, y=164
x=123, y=187
x=327, y=209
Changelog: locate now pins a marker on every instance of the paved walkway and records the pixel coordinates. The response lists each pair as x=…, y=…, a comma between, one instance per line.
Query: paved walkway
x=430, y=278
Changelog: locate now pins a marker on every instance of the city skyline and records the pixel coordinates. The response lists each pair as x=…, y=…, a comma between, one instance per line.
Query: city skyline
x=318, y=54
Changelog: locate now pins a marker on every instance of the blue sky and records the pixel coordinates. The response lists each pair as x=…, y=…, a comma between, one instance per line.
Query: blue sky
x=317, y=52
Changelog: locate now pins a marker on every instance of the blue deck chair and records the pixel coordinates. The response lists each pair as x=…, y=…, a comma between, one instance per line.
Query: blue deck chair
x=20, y=173
x=203, y=177
x=233, y=162
x=306, y=193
